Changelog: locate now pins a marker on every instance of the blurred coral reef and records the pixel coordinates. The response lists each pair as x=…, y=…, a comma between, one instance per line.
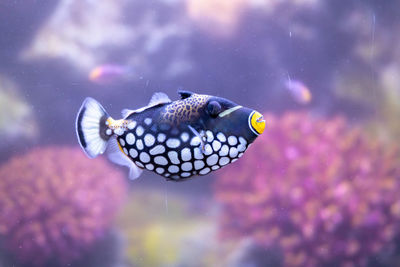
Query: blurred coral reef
x=17, y=119
x=56, y=203
x=74, y=34
x=320, y=191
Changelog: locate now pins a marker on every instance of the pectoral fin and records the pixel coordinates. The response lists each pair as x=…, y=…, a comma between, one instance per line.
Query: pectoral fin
x=201, y=136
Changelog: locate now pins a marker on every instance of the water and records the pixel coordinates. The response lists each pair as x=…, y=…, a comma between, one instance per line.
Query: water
x=317, y=188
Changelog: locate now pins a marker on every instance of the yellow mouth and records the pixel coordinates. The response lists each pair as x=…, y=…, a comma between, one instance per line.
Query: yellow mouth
x=257, y=122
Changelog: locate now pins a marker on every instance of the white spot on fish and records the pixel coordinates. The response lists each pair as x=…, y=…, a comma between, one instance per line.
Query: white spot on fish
x=138, y=163
x=197, y=153
x=161, y=137
x=208, y=150
x=132, y=125
x=108, y=132
x=216, y=145
x=232, y=140
x=223, y=161
x=224, y=150
x=198, y=164
x=125, y=151
x=144, y=157
x=159, y=149
x=212, y=160
x=139, y=130
x=205, y=171
x=210, y=136
x=139, y=144
x=150, y=167
x=122, y=142
x=186, y=155
x=173, y=143
x=240, y=154
x=173, y=169
x=242, y=140
x=148, y=121
x=215, y=167
x=241, y=147
x=173, y=156
x=160, y=160
x=195, y=141
x=233, y=152
x=160, y=170
x=149, y=140
x=133, y=152
x=187, y=166
x=130, y=138
x=184, y=137
x=185, y=174
x=119, y=131
x=221, y=137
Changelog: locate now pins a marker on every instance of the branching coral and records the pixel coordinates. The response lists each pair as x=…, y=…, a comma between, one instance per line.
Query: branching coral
x=55, y=203
x=321, y=192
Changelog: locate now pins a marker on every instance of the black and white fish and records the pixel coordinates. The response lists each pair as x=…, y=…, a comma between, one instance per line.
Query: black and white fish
x=176, y=139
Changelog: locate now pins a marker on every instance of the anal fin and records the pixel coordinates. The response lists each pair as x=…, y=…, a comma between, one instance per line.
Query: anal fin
x=116, y=155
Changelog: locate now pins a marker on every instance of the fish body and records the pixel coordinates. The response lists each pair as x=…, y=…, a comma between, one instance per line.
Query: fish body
x=176, y=139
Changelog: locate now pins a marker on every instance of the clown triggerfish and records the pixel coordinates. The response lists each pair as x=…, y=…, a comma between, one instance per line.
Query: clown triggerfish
x=176, y=139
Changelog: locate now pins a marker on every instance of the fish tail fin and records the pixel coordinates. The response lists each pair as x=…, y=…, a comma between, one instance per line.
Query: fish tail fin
x=91, y=128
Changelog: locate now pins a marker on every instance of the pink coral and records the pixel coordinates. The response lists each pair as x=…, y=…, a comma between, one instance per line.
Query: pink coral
x=320, y=191
x=55, y=202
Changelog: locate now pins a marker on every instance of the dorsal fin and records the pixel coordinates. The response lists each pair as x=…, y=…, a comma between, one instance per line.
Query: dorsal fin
x=126, y=112
x=157, y=99
x=185, y=94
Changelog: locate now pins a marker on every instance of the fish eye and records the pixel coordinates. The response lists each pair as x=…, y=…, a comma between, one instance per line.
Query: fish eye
x=214, y=108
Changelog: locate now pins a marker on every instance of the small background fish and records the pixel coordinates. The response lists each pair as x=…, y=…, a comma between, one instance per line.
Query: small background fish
x=298, y=91
x=109, y=73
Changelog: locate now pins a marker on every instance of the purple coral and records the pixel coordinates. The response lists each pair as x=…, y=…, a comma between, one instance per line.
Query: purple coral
x=55, y=203
x=320, y=191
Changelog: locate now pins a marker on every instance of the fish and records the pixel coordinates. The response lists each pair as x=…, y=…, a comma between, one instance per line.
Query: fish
x=108, y=73
x=189, y=137
x=299, y=91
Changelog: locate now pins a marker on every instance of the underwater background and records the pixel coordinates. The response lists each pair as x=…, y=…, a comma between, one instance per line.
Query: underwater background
x=320, y=187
